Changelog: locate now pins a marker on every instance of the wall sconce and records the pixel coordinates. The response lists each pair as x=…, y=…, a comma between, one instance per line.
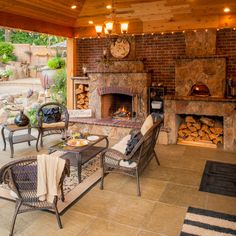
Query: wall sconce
x=109, y=26
x=98, y=29
x=124, y=27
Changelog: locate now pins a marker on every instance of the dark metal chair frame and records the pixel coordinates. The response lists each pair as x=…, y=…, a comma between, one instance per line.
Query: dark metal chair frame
x=42, y=132
x=142, y=154
x=21, y=178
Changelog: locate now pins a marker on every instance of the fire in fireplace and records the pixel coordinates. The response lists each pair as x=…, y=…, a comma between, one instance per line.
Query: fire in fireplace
x=117, y=106
x=122, y=113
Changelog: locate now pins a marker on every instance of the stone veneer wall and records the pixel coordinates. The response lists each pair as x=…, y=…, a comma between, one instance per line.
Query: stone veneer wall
x=209, y=108
x=160, y=52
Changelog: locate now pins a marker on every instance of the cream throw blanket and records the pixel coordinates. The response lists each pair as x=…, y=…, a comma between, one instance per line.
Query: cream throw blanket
x=50, y=168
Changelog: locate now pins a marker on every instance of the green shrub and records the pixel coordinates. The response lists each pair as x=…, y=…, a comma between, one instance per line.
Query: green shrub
x=6, y=73
x=32, y=116
x=6, y=48
x=58, y=89
x=56, y=63
x=6, y=52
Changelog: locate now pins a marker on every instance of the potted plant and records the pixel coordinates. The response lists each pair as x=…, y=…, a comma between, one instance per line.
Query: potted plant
x=49, y=72
x=5, y=74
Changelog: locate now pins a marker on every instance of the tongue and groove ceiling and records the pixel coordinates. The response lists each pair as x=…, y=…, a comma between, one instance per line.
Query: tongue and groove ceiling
x=56, y=16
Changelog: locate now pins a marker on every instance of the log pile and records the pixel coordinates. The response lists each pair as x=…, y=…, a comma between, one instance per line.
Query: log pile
x=201, y=129
x=82, y=96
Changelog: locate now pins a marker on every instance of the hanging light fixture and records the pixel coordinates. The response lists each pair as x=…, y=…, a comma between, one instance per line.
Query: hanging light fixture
x=109, y=25
x=124, y=27
x=98, y=29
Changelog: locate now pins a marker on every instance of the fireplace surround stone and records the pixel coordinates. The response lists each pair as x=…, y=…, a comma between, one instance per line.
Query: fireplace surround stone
x=124, y=77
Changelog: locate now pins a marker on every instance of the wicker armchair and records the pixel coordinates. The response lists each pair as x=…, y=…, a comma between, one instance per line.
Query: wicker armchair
x=21, y=178
x=140, y=156
x=58, y=127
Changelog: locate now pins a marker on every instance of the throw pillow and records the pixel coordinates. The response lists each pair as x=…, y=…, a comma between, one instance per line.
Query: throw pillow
x=148, y=123
x=122, y=144
x=134, y=139
x=51, y=115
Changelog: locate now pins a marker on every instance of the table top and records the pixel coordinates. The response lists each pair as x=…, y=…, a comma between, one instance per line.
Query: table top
x=14, y=127
x=62, y=146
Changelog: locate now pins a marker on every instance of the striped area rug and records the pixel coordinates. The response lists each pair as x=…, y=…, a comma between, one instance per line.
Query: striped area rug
x=208, y=223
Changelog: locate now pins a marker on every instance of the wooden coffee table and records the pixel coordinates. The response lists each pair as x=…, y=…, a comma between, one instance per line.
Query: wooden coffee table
x=14, y=138
x=82, y=154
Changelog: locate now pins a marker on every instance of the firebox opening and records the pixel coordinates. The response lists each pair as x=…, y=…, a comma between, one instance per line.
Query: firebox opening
x=117, y=106
x=206, y=131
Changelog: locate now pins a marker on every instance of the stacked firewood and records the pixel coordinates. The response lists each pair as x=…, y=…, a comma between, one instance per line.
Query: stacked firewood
x=201, y=129
x=82, y=96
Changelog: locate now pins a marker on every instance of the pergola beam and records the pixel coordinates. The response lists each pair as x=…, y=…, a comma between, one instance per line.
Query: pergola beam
x=26, y=23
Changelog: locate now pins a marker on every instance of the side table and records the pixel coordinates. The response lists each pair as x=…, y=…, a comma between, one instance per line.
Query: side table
x=14, y=138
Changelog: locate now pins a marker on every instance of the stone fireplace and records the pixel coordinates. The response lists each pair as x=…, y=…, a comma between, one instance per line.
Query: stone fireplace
x=121, y=86
x=117, y=91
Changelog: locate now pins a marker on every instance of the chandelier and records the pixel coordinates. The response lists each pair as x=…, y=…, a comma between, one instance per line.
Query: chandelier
x=108, y=26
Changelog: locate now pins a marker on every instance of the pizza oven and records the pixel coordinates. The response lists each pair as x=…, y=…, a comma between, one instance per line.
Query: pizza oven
x=199, y=89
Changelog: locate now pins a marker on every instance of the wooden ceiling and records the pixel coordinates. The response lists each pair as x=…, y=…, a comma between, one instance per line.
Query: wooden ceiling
x=57, y=17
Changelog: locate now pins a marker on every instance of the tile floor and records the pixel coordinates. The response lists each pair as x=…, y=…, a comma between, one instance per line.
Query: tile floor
x=167, y=191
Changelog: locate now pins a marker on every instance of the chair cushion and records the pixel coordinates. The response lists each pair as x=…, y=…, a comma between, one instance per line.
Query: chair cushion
x=122, y=144
x=148, y=123
x=54, y=125
x=127, y=164
x=113, y=157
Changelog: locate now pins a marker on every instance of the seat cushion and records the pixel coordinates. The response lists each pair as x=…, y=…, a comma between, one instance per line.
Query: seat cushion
x=54, y=125
x=148, y=123
x=127, y=164
x=122, y=144
x=113, y=157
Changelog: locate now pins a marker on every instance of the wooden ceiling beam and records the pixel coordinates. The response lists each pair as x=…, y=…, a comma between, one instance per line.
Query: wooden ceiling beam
x=26, y=23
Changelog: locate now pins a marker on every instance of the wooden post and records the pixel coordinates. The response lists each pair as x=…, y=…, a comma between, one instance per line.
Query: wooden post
x=71, y=69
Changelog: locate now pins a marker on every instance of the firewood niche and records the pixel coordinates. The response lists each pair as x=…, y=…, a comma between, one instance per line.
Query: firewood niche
x=201, y=130
x=82, y=96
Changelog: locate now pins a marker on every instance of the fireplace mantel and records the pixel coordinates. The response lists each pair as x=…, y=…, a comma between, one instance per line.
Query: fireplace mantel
x=199, y=98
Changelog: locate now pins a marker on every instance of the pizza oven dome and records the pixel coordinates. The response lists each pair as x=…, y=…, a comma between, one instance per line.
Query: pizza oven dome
x=200, y=89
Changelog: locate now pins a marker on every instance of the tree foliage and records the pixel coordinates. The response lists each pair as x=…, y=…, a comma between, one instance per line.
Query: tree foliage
x=31, y=38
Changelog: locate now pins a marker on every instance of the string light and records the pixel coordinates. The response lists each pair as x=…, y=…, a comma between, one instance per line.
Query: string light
x=173, y=32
